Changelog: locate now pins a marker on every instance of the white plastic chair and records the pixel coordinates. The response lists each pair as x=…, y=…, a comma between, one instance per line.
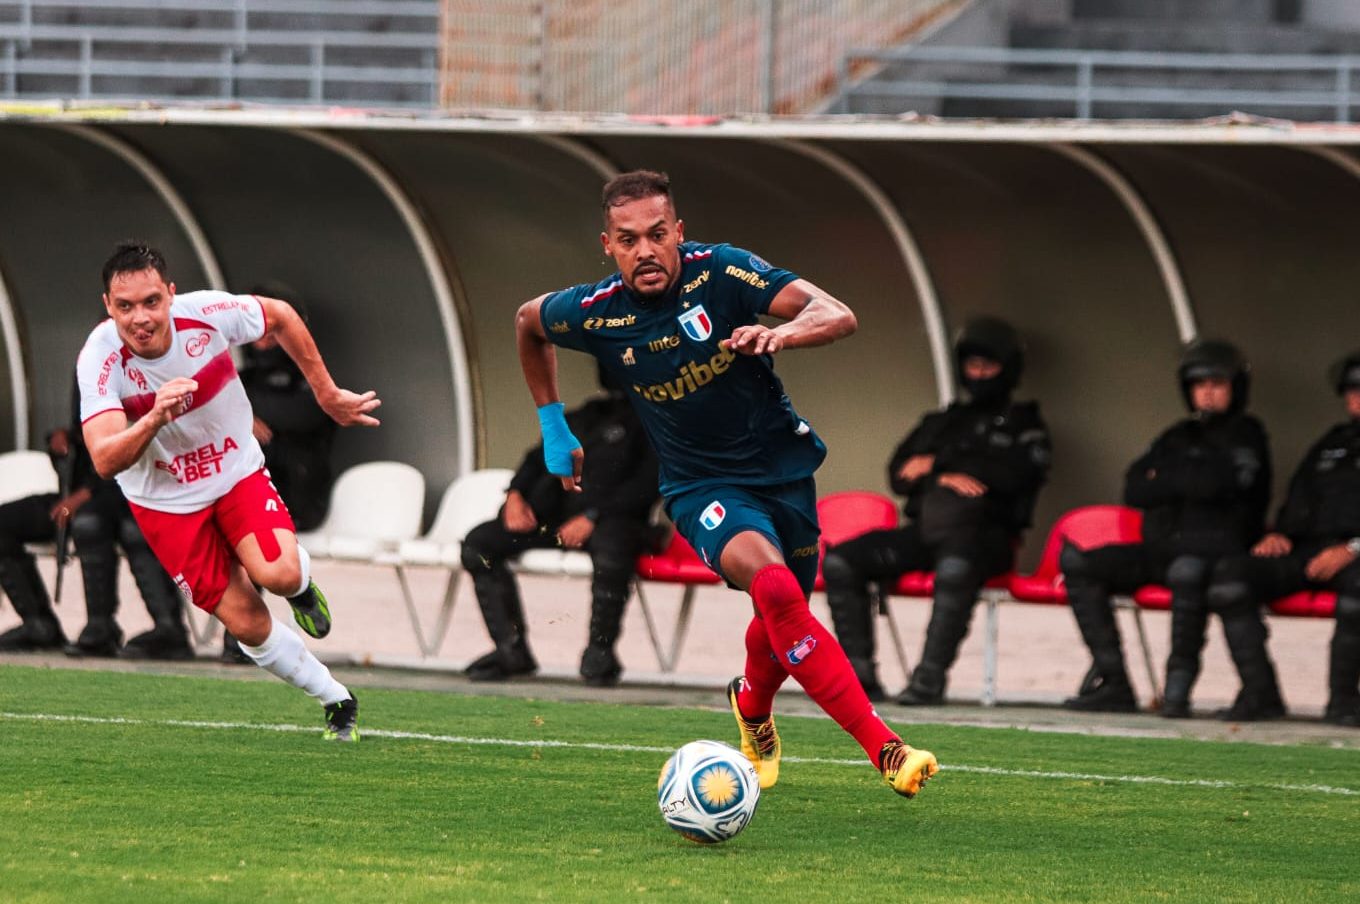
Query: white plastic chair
x=25, y=473
x=469, y=501
x=374, y=507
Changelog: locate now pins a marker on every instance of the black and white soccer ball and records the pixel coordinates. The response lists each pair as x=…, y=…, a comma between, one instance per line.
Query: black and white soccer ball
x=708, y=791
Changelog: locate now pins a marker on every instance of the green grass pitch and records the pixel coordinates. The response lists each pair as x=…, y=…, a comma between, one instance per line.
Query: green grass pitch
x=202, y=792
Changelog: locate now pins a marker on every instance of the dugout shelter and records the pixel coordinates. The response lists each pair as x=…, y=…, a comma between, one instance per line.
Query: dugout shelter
x=414, y=237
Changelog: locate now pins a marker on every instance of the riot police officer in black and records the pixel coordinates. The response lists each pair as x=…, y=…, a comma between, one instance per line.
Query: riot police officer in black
x=1203, y=488
x=35, y=519
x=971, y=474
x=1315, y=544
x=609, y=519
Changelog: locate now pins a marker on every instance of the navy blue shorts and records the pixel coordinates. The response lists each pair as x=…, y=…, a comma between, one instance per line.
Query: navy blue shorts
x=786, y=514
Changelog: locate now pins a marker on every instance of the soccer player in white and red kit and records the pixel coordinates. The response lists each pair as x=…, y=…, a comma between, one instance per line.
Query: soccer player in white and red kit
x=164, y=411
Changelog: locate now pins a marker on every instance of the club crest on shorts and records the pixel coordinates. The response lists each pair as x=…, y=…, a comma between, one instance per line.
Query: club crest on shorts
x=801, y=650
x=712, y=516
x=696, y=323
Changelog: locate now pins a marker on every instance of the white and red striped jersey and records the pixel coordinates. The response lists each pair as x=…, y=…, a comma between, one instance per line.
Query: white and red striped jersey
x=196, y=458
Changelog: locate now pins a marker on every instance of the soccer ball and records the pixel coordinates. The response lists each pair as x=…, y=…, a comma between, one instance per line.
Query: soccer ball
x=708, y=791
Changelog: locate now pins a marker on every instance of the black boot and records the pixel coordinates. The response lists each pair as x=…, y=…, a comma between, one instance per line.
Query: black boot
x=957, y=583
x=503, y=613
x=1344, y=711
x=926, y=687
x=1246, y=633
x=600, y=667
x=1102, y=695
x=1343, y=679
x=1109, y=690
x=40, y=629
x=1187, y=577
x=1176, y=701
x=1254, y=706
x=852, y=617
x=169, y=637
x=101, y=635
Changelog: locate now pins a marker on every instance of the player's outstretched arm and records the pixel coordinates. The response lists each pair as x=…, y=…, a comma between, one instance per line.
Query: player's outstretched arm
x=538, y=358
x=813, y=318
x=115, y=445
x=346, y=408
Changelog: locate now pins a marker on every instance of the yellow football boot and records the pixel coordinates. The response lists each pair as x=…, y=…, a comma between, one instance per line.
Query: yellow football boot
x=759, y=740
x=905, y=768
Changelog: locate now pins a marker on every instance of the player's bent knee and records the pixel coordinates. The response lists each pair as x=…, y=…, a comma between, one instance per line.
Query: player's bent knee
x=282, y=576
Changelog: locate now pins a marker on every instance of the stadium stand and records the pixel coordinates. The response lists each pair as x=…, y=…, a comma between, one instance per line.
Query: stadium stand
x=371, y=52
x=1116, y=59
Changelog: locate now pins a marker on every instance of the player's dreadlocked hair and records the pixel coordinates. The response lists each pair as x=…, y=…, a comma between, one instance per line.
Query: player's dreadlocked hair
x=133, y=257
x=632, y=186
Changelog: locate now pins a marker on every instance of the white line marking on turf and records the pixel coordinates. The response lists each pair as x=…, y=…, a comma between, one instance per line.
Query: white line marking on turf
x=639, y=748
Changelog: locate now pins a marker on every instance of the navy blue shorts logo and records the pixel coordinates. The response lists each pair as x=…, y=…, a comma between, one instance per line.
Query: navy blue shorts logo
x=802, y=650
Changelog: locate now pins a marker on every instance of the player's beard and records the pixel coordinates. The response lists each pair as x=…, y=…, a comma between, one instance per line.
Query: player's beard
x=652, y=293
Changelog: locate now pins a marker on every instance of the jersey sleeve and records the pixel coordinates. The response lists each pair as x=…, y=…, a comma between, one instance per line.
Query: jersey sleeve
x=99, y=375
x=755, y=281
x=563, y=316
x=239, y=318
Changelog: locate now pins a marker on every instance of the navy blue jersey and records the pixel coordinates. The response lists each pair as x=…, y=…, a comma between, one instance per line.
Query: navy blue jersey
x=713, y=416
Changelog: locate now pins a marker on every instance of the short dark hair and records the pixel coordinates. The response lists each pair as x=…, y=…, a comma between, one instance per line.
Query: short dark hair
x=627, y=187
x=133, y=257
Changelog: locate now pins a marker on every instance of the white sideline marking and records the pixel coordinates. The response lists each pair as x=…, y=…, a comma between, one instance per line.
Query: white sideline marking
x=639, y=748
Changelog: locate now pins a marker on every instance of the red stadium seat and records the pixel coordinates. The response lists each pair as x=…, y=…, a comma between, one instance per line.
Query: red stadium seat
x=1306, y=604
x=1087, y=528
x=850, y=514
x=677, y=564
x=1153, y=596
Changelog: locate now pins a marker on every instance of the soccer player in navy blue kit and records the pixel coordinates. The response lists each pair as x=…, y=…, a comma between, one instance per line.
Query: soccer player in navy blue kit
x=678, y=325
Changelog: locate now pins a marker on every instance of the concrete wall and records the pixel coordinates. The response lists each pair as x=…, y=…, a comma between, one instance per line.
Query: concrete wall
x=417, y=300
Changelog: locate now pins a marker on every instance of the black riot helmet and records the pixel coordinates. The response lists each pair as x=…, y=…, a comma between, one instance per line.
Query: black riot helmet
x=996, y=340
x=1205, y=359
x=1345, y=374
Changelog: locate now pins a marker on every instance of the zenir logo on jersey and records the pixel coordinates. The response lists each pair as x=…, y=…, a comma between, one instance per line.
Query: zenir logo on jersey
x=695, y=283
x=609, y=323
x=696, y=323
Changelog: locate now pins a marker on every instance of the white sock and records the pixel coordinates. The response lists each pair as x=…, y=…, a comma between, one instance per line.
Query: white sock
x=284, y=654
x=305, y=568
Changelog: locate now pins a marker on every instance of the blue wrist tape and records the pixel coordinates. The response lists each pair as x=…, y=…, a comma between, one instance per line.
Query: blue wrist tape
x=558, y=441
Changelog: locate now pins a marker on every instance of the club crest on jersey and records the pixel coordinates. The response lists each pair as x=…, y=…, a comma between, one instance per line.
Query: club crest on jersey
x=713, y=515
x=802, y=650
x=197, y=345
x=696, y=323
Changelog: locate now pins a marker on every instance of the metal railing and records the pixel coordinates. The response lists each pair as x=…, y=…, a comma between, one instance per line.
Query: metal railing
x=661, y=57
x=379, y=51
x=1285, y=81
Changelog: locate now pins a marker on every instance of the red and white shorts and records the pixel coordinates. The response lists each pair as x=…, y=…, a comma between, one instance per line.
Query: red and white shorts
x=198, y=549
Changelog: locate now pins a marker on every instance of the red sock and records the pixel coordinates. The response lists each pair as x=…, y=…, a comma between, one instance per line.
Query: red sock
x=815, y=660
x=763, y=676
